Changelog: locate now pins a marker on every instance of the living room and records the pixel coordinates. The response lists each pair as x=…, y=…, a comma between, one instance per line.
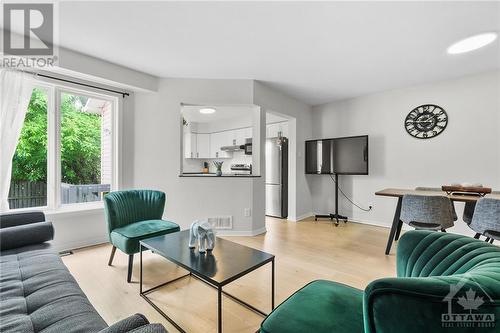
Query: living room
x=97, y=188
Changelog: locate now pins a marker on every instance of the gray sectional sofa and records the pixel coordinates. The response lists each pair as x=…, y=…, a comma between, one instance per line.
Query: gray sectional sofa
x=38, y=293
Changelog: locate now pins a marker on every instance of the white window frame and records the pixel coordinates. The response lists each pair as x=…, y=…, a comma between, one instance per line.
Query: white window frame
x=54, y=91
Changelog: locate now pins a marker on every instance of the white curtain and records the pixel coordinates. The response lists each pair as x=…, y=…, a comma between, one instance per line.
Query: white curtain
x=15, y=93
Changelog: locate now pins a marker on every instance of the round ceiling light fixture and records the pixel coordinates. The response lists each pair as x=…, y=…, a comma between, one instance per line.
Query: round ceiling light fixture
x=207, y=110
x=472, y=43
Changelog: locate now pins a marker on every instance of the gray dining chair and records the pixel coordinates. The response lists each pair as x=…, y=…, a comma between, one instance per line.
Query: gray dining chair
x=486, y=219
x=437, y=189
x=469, y=210
x=431, y=212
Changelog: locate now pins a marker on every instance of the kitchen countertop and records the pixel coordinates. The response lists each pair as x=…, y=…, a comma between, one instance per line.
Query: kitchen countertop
x=226, y=175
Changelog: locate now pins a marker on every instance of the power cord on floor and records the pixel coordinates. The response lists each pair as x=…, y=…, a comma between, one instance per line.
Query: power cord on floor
x=348, y=199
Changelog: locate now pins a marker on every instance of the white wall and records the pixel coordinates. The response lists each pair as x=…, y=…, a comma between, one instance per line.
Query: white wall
x=75, y=229
x=300, y=129
x=86, y=67
x=78, y=229
x=155, y=154
x=150, y=158
x=467, y=151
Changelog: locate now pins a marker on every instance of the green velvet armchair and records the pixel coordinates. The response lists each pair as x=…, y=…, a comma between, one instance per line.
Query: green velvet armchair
x=133, y=215
x=445, y=283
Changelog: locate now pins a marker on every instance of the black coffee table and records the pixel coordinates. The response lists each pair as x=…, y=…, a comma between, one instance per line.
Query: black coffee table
x=226, y=263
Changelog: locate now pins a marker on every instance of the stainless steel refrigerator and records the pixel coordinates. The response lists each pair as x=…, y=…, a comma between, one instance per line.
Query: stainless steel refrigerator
x=277, y=177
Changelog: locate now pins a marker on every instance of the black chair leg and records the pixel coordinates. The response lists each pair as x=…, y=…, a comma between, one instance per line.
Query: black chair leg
x=477, y=235
x=130, y=266
x=113, y=250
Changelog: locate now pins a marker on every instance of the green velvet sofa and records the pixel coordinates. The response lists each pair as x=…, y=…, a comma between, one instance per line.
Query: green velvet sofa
x=445, y=283
x=133, y=215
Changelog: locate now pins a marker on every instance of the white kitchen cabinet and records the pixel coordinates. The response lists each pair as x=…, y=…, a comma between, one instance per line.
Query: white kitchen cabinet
x=218, y=140
x=190, y=145
x=239, y=136
x=248, y=133
x=202, y=145
x=205, y=145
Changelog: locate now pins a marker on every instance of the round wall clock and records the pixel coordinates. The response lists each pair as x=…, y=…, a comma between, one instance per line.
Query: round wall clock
x=426, y=121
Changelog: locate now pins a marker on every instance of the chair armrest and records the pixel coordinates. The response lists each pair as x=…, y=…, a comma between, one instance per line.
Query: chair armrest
x=25, y=234
x=415, y=305
x=136, y=323
x=8, y=220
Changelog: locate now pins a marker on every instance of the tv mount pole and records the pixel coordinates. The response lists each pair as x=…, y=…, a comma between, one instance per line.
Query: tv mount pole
x=335, y=215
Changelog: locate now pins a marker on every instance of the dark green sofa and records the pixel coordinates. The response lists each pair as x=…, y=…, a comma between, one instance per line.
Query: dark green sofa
x=37, y=292
x=445, y=283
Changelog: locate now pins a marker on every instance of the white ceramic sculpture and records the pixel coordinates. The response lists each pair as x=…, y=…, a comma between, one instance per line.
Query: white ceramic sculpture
x=202, y=232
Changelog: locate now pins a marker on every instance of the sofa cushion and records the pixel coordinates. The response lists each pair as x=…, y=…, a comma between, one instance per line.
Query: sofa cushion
x=127, y=238
x=25, y=234
x=319, y=307
x=38, y=294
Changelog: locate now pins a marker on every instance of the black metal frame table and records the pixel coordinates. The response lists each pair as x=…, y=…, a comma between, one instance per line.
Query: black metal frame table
x=399, y=193
x=228, y=262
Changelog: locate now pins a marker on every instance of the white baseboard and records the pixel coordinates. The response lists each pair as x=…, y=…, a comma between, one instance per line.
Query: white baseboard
x=59, y=247
x=301, y=217
x=249, y=233
x=67, y=246
x=378, y=224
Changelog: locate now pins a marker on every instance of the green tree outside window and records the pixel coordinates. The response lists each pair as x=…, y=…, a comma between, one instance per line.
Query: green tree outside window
x=80, y=142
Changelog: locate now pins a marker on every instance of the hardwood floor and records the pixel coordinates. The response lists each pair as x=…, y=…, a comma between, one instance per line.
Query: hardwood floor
x=351, y=253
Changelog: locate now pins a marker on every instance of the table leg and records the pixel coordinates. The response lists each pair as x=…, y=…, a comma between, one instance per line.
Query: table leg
x=394, y=227
x=140, y=269
x=398, y=232
x=219, y=310
x=272, y=284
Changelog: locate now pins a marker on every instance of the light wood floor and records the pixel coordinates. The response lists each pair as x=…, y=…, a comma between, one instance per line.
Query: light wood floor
x=351, y=253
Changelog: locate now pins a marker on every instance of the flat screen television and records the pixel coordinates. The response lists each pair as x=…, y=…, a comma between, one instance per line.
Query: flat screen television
x=342, y=156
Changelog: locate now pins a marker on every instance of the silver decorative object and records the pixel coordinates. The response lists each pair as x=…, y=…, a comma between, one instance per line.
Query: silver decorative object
x=202, y=232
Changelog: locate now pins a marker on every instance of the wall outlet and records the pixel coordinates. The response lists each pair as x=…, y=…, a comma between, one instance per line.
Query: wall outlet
x=247, y=212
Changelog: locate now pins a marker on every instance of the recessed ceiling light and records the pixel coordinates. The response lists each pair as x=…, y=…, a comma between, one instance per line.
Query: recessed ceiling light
x=472, y=43
x=207, y=110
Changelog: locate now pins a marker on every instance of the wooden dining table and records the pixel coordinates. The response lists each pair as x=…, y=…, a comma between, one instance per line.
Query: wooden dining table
x=399, y=193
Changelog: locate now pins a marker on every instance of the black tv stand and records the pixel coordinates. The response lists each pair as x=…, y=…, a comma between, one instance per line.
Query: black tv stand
x=335, y=215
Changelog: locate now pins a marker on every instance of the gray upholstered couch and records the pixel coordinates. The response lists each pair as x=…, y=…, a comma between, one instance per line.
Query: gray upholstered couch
x=38, y=293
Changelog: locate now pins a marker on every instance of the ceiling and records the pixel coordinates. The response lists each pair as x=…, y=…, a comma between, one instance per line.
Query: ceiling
x=317, y=52
x=223, y=112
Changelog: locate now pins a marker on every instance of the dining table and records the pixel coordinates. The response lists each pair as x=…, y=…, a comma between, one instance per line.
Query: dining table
x=399, y=193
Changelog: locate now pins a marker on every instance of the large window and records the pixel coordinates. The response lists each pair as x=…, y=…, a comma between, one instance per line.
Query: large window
x=85, y=148
x=65, y=153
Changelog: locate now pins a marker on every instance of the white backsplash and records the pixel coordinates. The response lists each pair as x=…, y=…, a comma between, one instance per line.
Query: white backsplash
x=196, y=165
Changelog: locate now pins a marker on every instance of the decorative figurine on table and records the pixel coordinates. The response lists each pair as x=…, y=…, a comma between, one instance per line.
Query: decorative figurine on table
x=202, y=232
x=218, y=166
